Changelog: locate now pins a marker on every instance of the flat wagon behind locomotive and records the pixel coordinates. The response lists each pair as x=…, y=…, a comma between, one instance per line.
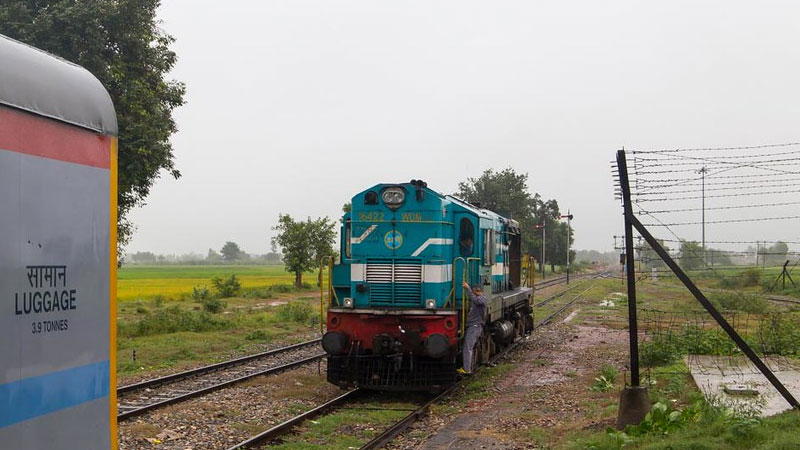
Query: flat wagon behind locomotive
x=397, y=309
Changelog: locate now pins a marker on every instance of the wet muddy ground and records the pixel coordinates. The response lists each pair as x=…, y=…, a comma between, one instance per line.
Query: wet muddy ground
x=544, y=395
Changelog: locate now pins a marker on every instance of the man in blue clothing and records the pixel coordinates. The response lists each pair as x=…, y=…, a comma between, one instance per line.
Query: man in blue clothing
x=474, y=325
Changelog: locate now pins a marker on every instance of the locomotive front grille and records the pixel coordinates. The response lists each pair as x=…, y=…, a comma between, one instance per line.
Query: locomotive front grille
x=395, y=282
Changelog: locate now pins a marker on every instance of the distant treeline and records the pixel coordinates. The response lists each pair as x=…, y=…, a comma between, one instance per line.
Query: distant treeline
x=594, y=256
x=230, y=253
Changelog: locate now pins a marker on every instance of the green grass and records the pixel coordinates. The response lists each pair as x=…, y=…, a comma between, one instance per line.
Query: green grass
x=173, y=282
x=711, y=427
x=158, y=319
x=478, y=385
x=345, y=428
x=781, y=432
x=179, y=334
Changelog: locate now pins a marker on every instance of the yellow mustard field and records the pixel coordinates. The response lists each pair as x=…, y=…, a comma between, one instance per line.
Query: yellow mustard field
x=146, y=282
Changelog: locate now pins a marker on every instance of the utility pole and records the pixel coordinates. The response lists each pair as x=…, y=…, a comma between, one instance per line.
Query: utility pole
x=703, y=171
x=542, y=226
x=569, y=220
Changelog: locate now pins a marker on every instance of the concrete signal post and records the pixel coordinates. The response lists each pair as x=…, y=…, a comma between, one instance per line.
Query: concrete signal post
x=569, y=221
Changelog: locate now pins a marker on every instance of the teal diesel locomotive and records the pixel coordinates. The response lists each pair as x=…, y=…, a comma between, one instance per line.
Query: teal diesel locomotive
x=397, y=308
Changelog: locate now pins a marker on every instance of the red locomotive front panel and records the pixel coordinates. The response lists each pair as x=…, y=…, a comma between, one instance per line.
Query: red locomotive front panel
x=380, y=349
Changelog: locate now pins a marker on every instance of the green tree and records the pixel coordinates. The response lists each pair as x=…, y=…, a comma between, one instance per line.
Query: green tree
x=649, y=258
x=715, y=257
x=558, y=248
x=690, y=255
x=143, y=257
x=506, y=192
x=231, y=252
x=118, y=41
x=776, y=254
x=213, y=256
x=273, y=258
x=303, y=244
x=547, y=212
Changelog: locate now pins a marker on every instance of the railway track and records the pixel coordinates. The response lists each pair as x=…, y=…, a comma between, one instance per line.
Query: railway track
x=139, y=398
x=782, y=299
x=566, y=305
x=546, y=283
x=584, y=278
x=398, y=427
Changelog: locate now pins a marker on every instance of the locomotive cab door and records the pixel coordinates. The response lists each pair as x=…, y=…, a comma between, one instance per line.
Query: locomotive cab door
x=466, y=245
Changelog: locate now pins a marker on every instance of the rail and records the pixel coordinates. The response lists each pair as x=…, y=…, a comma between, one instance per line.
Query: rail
x=152, y=399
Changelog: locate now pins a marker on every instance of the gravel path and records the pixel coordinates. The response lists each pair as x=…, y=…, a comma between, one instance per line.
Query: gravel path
x=545, y=394
x=224, y=418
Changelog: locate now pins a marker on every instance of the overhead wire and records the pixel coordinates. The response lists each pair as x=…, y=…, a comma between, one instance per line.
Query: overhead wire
x=713, y=149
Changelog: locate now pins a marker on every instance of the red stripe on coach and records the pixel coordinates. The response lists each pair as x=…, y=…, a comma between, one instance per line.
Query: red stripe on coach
x=27, y=133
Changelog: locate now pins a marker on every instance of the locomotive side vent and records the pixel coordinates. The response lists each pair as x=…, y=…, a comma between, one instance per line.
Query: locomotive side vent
x=395, y=282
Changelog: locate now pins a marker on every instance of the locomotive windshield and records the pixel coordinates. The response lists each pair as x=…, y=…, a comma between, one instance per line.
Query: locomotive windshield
x=466, y=237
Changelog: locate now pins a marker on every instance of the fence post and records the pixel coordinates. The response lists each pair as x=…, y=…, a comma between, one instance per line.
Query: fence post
x=634, y=399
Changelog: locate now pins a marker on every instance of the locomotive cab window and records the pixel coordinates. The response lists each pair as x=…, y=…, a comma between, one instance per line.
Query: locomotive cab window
x=466, y=237
x=488, y=247
x=348, y=232
x=371, y=198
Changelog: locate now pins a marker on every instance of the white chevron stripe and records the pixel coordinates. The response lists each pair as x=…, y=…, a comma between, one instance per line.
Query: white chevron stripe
x=432, y=241
x=360, y=239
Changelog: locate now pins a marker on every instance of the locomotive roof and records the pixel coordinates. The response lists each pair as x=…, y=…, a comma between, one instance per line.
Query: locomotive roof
x=486, y=213
x=40, y=83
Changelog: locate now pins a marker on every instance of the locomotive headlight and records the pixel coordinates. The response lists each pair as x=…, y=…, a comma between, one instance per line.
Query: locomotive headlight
x=393, y=196
x=348, y=302
x=430, y=303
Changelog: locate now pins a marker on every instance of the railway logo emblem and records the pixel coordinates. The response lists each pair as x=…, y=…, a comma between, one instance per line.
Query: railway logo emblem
x=393, y=239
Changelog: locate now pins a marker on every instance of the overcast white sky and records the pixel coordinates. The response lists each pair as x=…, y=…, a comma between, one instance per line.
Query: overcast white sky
x=294, y=106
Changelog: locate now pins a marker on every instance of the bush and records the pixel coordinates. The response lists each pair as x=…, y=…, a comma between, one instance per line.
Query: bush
x=294, y=312
x=750, y=277
x=665, y=349
x=609, y=372
x=172, y=320
x=263, y=293
x=259, y=335
x=213, y=305
x=747, y=278
x=659, y=351
x=738, y=301
x=200, y=293
x=700, y=341
x=227, y=287
x=779, y=335
x=605, y=382
x=283, y=288
x=662, y=419
x=158, y=300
